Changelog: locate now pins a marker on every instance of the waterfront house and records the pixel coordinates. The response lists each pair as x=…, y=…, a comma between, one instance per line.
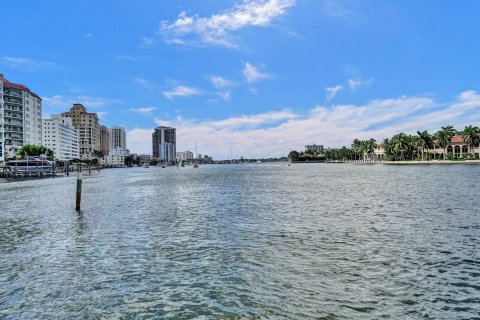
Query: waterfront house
x=457, y=147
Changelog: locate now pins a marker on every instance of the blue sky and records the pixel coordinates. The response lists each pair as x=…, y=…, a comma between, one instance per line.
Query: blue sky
x=259, y=77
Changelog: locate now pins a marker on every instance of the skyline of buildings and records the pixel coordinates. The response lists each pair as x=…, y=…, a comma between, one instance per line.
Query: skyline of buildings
x=74, y=134
x=21, y=123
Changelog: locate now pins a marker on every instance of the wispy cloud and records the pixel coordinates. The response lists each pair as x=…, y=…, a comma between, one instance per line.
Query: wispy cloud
x=143, y=110
x=218, y=28
x=251, y=121
x=87, y=35
x=63, y=102
x=144, y=83
x=356, y=83
x=181, y=91
x=101, y=114
x=252, y=74
x=332, y=91
x=224, y=95
x=338, y=9
x=124, y=57
x=270, y=134
x=26, y=63
x=147, y=41
x=220, y=82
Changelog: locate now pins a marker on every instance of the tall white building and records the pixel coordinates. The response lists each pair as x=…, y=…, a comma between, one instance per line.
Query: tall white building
x=167, y=152
x=117, y=138
x=20, y=118
x=61, y=137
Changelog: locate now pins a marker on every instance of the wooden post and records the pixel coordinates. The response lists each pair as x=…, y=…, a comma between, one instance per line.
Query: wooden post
x=79, y=193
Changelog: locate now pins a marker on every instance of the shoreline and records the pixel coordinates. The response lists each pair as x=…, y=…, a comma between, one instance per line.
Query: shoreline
x=468, y=162
x=407, y=162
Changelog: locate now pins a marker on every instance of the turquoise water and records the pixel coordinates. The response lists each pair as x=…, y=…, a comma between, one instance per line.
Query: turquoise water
x=325, y=241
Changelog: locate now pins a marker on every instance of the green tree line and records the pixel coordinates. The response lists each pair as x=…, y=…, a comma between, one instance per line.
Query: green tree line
x=399, y=147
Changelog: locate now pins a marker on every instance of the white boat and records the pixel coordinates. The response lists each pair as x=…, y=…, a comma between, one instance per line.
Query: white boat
x=146, y=165
x=164, y=165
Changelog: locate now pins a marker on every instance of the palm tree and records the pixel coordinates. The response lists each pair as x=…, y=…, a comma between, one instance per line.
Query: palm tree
x=388, y=147
x=369, y=147
x=471, y=136
x=443, y=140
x=356, y=147
x=426, y=141
x=401, y=144
x=449, y=130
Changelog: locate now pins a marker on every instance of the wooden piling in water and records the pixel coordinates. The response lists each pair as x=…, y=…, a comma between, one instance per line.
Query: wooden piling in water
x=79, y=194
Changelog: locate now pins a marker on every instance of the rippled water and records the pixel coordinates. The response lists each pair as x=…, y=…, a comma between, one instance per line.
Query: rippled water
x=244, y=241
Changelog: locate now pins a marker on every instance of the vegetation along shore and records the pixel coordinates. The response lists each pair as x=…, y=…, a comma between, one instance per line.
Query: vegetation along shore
x=447, y=145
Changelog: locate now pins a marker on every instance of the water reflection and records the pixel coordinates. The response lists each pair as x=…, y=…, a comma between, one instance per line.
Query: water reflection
x=306, y=241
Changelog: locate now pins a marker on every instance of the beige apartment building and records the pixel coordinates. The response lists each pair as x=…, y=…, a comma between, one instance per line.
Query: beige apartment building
x=88, y=129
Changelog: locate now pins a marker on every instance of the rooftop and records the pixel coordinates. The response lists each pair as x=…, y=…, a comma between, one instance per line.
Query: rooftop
x=17, y=86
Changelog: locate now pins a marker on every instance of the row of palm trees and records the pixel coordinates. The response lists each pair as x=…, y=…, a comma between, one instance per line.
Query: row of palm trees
x=403, y=146
x=400, y=146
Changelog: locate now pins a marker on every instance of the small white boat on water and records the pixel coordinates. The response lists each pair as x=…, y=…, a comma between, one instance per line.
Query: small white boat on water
x=146, y=165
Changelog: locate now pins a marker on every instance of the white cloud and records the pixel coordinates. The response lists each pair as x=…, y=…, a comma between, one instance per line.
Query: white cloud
x=332, y=92
x=181, y=91
x=143, y=110
x=224, y=95
x=87, y=35
x=220, y=82
x=217, y=29
x=252, y=74
x=276, y=133
x=338, y=9
x=101, y=114
x=26, y=63
x=58, y=101
x=147, y=42
x=356, y=83
x=144, y=83
x=253, y=120
x=140, y=141
x=124, y=57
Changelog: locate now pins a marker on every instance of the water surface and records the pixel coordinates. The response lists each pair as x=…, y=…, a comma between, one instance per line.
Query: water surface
x=325, y=241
